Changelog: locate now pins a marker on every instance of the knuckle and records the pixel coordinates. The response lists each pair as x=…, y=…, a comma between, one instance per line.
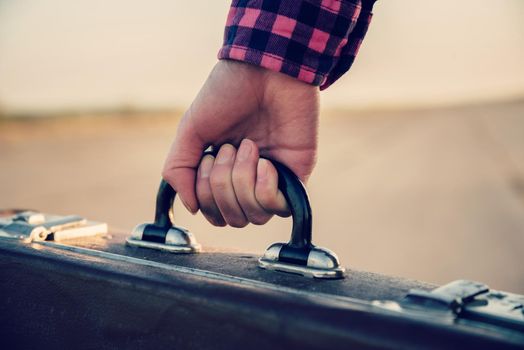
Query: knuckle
x=205, y=200
x=265, y=198
x=238, y=223
x=259, y=219
x=257, y=216
x=204, y=195
x=212, y=215
x=239, y=178
x=218, y=180
x=216, y=222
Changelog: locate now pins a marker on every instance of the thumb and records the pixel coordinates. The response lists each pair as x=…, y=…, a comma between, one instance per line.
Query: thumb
x=182, y=163
x=267, y=193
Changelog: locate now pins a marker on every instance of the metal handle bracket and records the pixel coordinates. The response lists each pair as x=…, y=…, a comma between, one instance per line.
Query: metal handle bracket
x=163, y=234
x=299, y=255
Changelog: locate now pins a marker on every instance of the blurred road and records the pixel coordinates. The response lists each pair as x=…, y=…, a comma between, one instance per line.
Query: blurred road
x=433, y=195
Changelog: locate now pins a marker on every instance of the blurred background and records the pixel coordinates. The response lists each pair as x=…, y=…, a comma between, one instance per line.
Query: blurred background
x=421, y=166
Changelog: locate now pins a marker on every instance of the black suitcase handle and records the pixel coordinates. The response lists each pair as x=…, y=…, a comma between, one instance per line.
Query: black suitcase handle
x=288, y=183
x=298, y=256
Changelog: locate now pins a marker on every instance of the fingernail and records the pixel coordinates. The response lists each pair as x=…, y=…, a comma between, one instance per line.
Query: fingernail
x=262, y=169
x=225, y=154
x=245, y=150
x=206, y=166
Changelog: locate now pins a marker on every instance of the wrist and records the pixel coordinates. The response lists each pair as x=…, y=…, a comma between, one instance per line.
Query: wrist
x=265, y=79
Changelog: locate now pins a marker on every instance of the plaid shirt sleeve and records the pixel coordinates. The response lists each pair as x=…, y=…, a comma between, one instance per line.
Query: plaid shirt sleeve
x=315, y=41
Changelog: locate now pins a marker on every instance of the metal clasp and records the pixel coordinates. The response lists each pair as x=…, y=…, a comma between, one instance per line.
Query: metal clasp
x=451, y=296
x=30, y=226
x=471, y=301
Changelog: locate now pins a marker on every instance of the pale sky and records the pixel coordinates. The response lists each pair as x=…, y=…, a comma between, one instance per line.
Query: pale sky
x=63, y=54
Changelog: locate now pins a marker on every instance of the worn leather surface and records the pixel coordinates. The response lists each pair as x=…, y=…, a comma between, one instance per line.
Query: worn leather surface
x=357, y=284
x=62, y=297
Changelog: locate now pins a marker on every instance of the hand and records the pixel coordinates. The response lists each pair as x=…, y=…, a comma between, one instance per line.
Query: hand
x=261, y=112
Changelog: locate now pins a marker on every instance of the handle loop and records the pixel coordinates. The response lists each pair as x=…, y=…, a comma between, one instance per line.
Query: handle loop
x=289, y=184
x=298, y=256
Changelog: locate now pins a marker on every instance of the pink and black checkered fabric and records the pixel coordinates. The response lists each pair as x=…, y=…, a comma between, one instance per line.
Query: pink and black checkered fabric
x=315, y=41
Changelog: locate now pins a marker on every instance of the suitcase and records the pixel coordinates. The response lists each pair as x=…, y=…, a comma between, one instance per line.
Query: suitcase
x=66, y=282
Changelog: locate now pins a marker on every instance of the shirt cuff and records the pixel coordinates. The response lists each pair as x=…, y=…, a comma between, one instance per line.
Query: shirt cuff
x=314, y=41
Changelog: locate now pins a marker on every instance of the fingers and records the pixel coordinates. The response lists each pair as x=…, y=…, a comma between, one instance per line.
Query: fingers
x=244, y=179
x=238, y=187
x=266, y=189
x=222, y=189
x=181, y=164
x=205, y=197
x=183, y=181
